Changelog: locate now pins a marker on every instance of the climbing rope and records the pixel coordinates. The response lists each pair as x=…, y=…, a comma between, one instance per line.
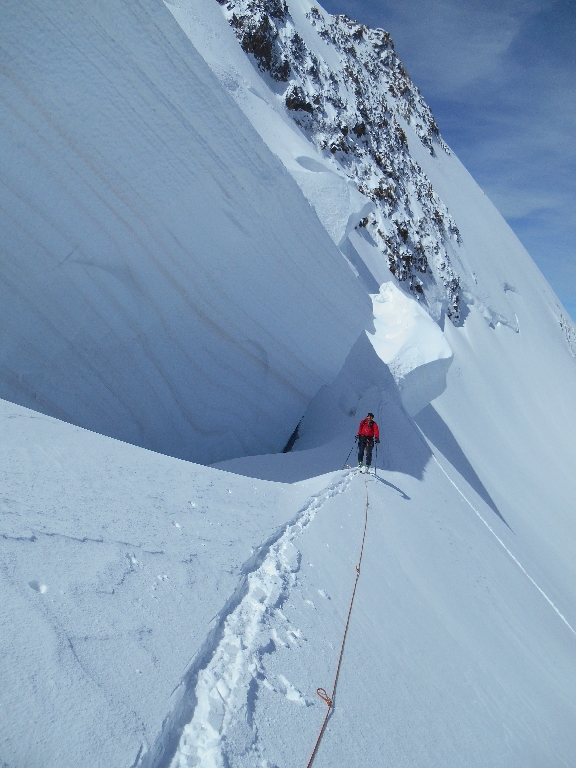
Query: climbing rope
x=328, y=699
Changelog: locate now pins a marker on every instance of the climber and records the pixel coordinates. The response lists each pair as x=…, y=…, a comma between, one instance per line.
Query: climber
x=368, y=434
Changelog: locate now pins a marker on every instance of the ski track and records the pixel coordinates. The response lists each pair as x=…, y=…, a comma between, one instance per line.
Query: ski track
x=499, y=540
x=220, y=680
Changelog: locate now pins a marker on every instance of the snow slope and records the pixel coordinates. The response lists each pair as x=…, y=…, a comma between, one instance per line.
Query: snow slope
x=163, y=280
x=115, y=563
x=161, y=613
x=143, y=593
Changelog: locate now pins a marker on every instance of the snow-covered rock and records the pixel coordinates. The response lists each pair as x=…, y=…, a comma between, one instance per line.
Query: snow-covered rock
x=341, y=87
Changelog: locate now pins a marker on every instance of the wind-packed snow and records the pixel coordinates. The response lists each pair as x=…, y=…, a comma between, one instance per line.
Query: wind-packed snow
x=412, y=346
x=163, y=279
x=115, y=563
x=166, y=281
x=335, y=199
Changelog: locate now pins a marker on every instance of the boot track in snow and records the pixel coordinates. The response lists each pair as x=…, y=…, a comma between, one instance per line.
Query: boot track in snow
x=217, y=683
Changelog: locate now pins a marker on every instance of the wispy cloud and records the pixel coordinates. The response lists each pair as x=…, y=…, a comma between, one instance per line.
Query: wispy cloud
x=460, y=44
x=500, y=76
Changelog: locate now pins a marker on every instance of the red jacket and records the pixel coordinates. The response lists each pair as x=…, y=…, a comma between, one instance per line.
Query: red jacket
x=367, y=429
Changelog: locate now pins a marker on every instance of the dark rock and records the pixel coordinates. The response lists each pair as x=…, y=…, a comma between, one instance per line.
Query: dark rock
x=295, y=99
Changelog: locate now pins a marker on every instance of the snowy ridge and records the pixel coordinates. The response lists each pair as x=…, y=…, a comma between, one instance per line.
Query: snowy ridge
x=332, y=100
x=227, y=669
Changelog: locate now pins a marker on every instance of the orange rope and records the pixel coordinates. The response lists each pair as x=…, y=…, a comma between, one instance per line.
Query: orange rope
x=329, y=699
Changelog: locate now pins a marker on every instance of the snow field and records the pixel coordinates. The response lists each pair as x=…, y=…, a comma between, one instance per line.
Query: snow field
x=115, y=561
x=458, y=652
x=166, y=282
x=453, y=656
x=227, y=686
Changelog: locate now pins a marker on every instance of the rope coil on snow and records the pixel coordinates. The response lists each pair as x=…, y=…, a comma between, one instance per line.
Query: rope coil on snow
x=324, y=696
x=321, y=692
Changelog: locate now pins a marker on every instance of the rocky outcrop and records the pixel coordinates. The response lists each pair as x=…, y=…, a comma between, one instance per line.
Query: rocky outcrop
x=354, y=114
x=570, y=333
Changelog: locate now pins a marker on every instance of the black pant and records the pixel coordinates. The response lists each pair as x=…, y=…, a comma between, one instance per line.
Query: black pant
x=365, y=444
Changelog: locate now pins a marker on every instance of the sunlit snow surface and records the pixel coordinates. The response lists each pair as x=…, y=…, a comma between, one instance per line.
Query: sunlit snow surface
x=160, y=613
x=412, y=346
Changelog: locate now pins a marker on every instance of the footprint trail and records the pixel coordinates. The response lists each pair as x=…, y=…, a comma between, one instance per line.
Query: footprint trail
x=234, y=669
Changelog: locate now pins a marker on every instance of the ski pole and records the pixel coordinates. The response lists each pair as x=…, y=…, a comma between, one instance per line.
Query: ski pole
x=347, y=457
x=376, y=462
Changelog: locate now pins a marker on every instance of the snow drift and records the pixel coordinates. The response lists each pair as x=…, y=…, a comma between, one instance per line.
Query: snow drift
x=412, y=345
x=163, y=281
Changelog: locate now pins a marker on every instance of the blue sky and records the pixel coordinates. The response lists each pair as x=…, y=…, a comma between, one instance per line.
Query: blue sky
x=500, y=77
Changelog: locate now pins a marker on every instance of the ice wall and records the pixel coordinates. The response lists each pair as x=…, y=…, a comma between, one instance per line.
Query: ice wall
x=163, y=279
